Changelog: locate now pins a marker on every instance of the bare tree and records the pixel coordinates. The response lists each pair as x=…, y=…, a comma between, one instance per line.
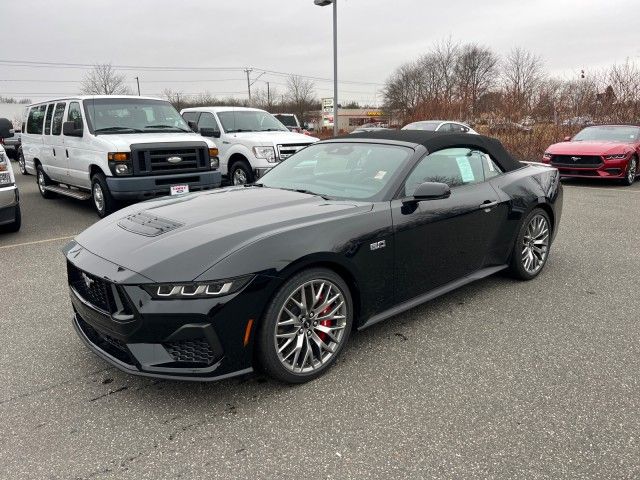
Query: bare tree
x=522, y=73
x=104, y=80
x=476, y=73
x=300, y=94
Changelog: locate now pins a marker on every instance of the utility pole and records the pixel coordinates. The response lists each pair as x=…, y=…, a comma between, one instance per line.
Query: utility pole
x=248, y=72
x=268, y=94
x=138, y=82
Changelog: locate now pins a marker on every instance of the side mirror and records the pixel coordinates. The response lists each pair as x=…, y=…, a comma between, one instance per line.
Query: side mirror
x=193, y=126
x=567, y=139
x=431, y=191
x=209, y=132
x=69, y=129
x=6, y=128
x=305, y=126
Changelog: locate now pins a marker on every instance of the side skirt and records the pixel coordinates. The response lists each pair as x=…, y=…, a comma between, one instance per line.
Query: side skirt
x=414, y=302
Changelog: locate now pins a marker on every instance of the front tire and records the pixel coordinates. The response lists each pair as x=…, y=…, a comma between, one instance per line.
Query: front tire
x=531, y=249
x=241, y=173
x=103, y=201
x=306, y=326
x=43, y=181
x=632, y=171
x=21, y=162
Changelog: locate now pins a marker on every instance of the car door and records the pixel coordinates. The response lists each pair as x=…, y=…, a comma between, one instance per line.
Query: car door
x=76, y=150
x=58, y=162
x=442, y=240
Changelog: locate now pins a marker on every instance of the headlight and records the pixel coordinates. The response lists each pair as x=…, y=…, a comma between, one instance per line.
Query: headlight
x=120, y=163
x=215, y=163
x=5, y=179
x=616, y=156
x=546, y=156
x=5, y=174
x=267, y=153
x=218, y=288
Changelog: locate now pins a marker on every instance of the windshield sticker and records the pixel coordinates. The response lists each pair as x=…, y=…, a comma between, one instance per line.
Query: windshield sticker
x=380, y=175
x=465, y=169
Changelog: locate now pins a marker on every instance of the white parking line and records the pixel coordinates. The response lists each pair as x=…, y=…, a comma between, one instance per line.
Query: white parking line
x=36, y=242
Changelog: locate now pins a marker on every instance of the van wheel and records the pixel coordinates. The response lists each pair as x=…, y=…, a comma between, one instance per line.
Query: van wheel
x=21, y=162
x=43, y=182
x=103, y=201
x=240, y=173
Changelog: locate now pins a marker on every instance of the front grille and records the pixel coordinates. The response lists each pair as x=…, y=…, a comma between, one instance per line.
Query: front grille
x=580, y=161
x=164, y=159
x=197, y=351
x=285, y=151
x=90, y=288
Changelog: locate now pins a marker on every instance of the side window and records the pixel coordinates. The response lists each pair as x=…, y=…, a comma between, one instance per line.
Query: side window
x=36, y=119
x=491, y=168
x=190, y=116
x=445, y=127
x=455, y=127
x=47, y=120
x=75, y=115
x=453, y=166
x=58, y=116
x=207, y=120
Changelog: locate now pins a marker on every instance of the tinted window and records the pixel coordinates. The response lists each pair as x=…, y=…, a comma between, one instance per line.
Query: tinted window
x=36, y=119
x=453, y=166
x=207, y=120
x=75, y=115
x=191, y=116
x=47, y=121
x=58, y=116
x=355, y=171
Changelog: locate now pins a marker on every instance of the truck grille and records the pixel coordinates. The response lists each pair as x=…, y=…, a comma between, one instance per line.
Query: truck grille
x=581, y=161
x=164, y=159
x=285, y=151
x=90, y=288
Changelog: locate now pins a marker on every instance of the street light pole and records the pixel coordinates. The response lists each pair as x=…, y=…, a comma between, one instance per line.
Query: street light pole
x=138, y=82
x=324, y=3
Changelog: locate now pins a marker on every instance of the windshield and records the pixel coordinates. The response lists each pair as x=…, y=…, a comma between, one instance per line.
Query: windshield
x=250, y=121
x=287, y=120
x=429, y=126
x=609, y=134
x=132, y=115
x=355, y=171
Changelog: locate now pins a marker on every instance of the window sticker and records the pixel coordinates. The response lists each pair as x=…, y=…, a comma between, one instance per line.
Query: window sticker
x=465, y=169
x=380, y=175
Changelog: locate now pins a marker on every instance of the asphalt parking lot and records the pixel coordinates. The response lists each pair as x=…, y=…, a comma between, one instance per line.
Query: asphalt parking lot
x=500, y=379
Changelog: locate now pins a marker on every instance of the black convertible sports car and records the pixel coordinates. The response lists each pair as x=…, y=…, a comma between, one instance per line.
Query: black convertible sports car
x=276, y=275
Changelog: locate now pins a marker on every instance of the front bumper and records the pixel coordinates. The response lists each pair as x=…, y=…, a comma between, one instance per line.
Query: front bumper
x=194, y=339
x=9, y=201
x=139, y=188
x=609, y=169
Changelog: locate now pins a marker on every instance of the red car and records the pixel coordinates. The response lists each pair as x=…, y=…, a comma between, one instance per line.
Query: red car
x=601, y=151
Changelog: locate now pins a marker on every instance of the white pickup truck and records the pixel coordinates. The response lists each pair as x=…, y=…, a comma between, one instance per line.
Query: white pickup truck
x=250, y=141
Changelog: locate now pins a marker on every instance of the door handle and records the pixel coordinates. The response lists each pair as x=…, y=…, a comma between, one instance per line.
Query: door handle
x=54, y=152
x=488, y=204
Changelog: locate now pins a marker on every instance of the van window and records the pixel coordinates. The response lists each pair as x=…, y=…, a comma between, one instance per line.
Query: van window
x=47, y=121
x=36, y=119
x=58, y=116
x=75, y=115
x=191, y=116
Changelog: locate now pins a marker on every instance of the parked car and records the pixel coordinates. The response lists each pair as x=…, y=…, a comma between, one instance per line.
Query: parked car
x=509, y=127
x=370, y=127
x=344, y=234
x=251, y=140
x=113, y=148
x=11, y=144
x=291, y=121
x=10, y=216
x=578, y=122
x=440, y=126
x=603, y=151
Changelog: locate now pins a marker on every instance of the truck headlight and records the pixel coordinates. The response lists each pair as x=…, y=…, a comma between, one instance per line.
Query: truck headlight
x=215, y=163
x=120, y=163
x=5, y=174
x=181, y=291
x=268, y=153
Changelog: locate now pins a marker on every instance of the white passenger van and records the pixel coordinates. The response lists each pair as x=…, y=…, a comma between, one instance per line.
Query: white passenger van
x=112, y=148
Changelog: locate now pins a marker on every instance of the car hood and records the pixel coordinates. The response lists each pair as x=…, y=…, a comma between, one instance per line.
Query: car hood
x=588, y=148
x=273, y=138
x=175, y=239
x=123, y=142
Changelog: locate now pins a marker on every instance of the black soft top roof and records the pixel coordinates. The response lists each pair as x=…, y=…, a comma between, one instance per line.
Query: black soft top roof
x=434, y=141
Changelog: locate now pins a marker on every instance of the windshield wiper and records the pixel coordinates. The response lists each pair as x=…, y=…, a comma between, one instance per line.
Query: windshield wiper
x=273, y=130
x=167, y=126
x=117, y=129
x=237, y=130
x=308, y=192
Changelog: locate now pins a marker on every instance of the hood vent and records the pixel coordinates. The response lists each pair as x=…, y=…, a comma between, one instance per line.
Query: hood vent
x=146, y=224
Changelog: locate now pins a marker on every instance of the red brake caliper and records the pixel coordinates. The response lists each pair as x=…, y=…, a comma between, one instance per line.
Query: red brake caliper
x=323, y=336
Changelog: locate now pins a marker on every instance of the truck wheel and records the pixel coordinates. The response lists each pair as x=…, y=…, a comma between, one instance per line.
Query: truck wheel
x=240, y=173
x=103, y=201
x=43, y=182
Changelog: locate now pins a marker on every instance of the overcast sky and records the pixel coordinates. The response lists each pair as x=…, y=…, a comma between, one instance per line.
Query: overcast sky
x=294, y=36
